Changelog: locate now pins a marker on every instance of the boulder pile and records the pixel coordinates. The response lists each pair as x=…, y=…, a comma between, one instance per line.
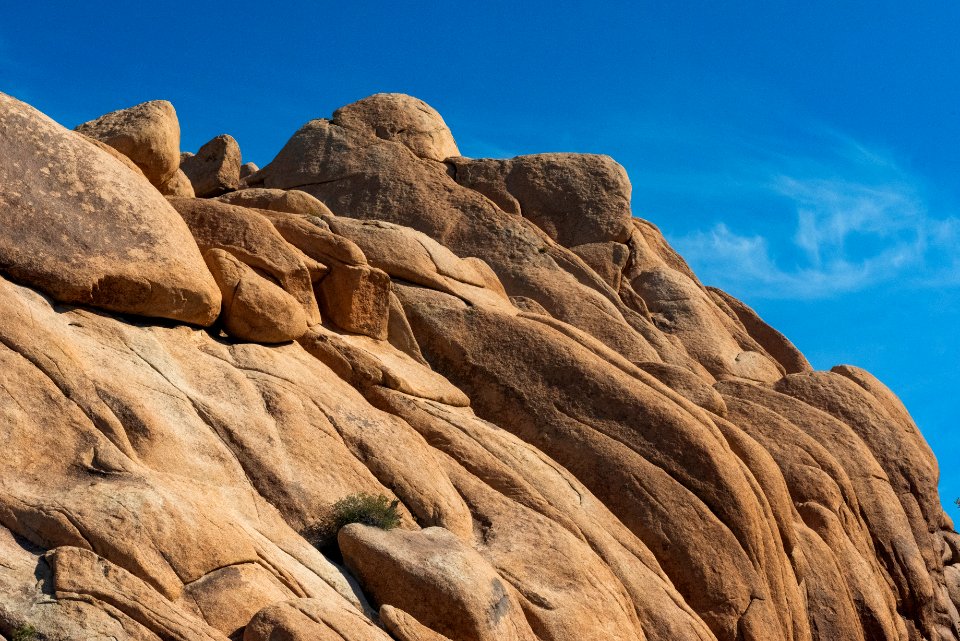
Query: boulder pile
x=199, y=358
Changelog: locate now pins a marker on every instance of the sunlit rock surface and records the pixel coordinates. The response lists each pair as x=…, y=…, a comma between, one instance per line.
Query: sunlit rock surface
x=584, y=441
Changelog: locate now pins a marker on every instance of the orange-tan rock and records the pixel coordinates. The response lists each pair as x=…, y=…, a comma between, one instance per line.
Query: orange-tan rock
x=248, y=169
x=148, y=134
x=290, y=201
x=215, y=168
x=582, y=441
x=178, y=186
x=249, y=236
x=577, y=199
x=83, y=228
x=445, y=584
x=404, y=119
x=254, y=308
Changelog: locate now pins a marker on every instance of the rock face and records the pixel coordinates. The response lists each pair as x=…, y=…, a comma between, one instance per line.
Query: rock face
x=249, y=236
x=577, y=199
x=403, y=119
x=254, y=309
x=445, y=585
x=215, y=168
x=148, y=134
x=178, y=186
x=247, y=169
x=290, y=201
x=83, y=228
x=583, y=441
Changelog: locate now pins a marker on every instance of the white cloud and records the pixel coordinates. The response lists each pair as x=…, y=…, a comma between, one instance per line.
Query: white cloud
x=859, y=220
x=722, y=256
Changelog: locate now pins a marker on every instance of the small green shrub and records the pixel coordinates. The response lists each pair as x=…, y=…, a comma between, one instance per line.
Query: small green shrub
x=25, y=632
x=376, y=511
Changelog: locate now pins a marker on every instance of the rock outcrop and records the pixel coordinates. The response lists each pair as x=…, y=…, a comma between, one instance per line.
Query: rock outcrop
x=215, y=168
x=148, y=134
x=582, y=441
x=84, y=228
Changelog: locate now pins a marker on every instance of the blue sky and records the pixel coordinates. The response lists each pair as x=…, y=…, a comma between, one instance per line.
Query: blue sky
x=803, y=156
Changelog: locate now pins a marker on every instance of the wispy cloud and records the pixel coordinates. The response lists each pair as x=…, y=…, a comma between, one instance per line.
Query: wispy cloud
x=856, y=219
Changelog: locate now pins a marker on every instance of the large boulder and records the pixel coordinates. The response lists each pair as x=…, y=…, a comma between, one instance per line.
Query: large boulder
x=254, y=308
x=85, y=229
x=311, y=620
x=215, y=168
x=445, y=584
x=148, y=134
x=405, y=628
x=248, y=169
x=178, y=185
x=132, y=166
x=401, y=118
x=357, y=299
x=575, y=198
x=249, y=236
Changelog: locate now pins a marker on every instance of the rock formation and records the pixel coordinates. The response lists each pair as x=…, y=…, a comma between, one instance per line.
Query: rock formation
x=215, y=168
x=584, y=442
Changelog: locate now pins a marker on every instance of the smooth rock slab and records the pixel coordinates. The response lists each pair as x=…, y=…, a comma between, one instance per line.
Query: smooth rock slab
x=85, y=229
x=311, y=620
x=291, y=201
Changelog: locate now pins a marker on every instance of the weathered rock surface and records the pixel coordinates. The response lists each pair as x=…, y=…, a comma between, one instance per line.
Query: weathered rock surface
x=249, y=236
x=85, y=229
x=445, y=584
x=577, y=199
x=178, y=186
x=148, y=134
x=405, y=628
x=290, y=201
x=215, y=168
x=254, y=309
x=584, y=442
x=248, y=169
x=116, y=154
x=311, y=620
x=403, y=119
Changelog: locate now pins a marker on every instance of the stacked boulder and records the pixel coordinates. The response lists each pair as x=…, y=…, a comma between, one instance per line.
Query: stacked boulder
x=215, y=168
x=582, y=440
